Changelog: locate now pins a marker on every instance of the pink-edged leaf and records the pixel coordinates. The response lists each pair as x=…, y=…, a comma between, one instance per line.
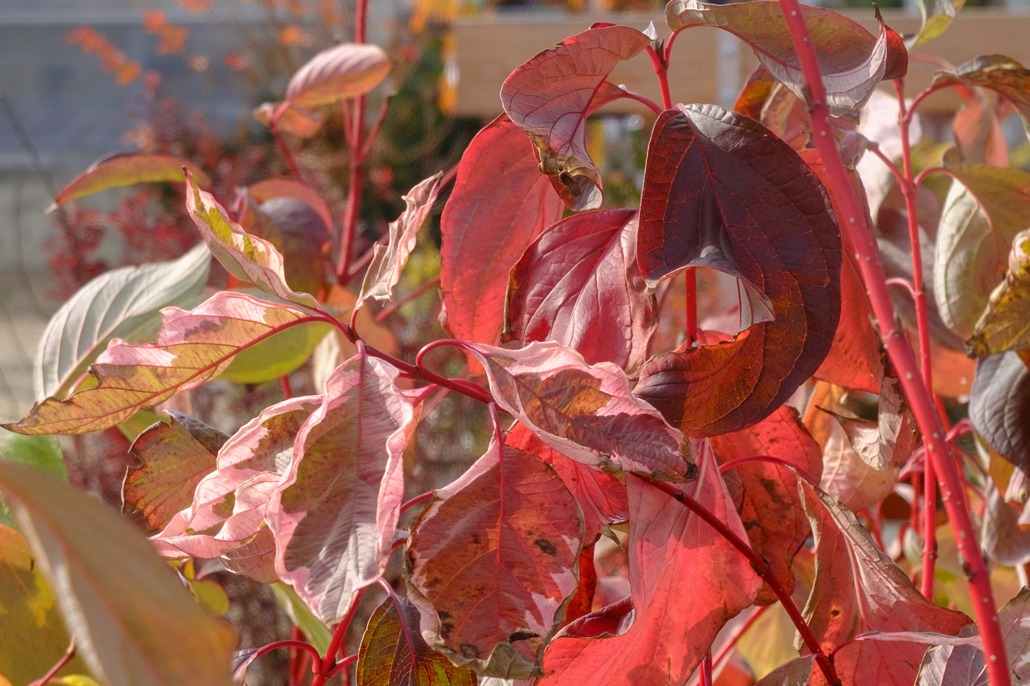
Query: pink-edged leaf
x=227, y=508
x=393, y=652
x=191, y=348
x=336, y=508
x=385, y=269
x=579, y=285
x=602, y=497
x=686, y=580
x=778, y=527
x=491, y=562
x=499, y=204
x=585, y=412
x=721, y=192
x=125, y=170
x=243, y=255
x=859, y=589
x=172, y=460
x=963, y=665
x=550, y=96
x=338, y=73
x=852, y=61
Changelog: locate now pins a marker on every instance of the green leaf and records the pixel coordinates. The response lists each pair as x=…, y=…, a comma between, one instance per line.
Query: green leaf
x=124, y=303
x=937, y=17
x=41, y=452
x=132, y=620
x=126, y=170
x=985, y=208
x=393, y=652
x=303, y=618
x=276, y=356
x=1005, y=324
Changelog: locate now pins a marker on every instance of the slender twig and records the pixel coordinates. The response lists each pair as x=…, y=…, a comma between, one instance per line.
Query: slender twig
x=58, y=666
x=325, y=665
x=731, y=641
x=761, y=567
x=661, y=70
x=417, y=500
x=769, y=459
x=413, y=295
x=706, y=669
x=853, y=220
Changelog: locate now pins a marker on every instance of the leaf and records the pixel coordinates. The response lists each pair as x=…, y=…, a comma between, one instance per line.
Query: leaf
x=792, y=673
x=556, y=289
x=1001, y=537
x=937, y=17
x=248, y=258
x=191, y=348
x=777, y=527
x=846, y=475
x=280, y=354
x=978, y=132
x=852, y=61
x=499, y=204
x=393, y=652
x=999, y=406
x=859, y=589
x=963, y=665
x=132, y=620
x=40, y=452
x=172, y=459
x=224, y=516
x=334, y=511
x=491, y=562
x=385, y=269
x=721, y=192
x=686, y=582
x=122, y=303
x=34, y=633
x=996, y=72
x=316, y=632
x=338, y=73
x=601, y=497
x=296, y=121
x=282, y=188
x=125, y=170
x=1005, y=324
x=586, y=412
x=550, y=96
x=985, y=209
x=299, y=232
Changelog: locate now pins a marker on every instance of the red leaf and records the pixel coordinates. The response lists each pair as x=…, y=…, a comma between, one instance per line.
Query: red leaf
x=687, y=582
x=491, y=560
x=996, y=72
x=338, y=73
x=385, y=269
x=173, y=458
x=851, y=60
x=191, y=348
x=557, y=288
x=721, y=192
x=602, y=497
x=777, y=525
x=125, y=170
x=859, y=589
x=500, y=203
x=334, y=513
x=550, y=97
x=393, y=652
x=585, y=412
x=247, y=257
x=228, y=505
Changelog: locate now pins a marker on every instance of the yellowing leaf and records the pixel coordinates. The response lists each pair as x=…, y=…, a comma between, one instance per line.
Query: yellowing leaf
x=125, y=170
x=1005, y=325
x=132, y=620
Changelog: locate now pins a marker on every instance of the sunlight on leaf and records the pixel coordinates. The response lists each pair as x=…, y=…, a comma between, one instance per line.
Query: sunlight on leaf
x=492, y=561
x=1001, y=74
x=581, y=261
x=122, y=303
x=338, y=73
x=335, y=508
x=852, y=60
x=1005, y=324
x=499, y=204
x=131, y=617
x=550, y=97
x=393, y=652
x=191, y=348
x=937, y=17
x=721, y=192
x=585, y=412
x=126, y=170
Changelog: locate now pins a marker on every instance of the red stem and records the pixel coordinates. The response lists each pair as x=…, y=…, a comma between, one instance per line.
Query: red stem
x=58, y=666
x=761, y=567
x=779, y=462
x=738, y=632
x=277, y=135
x=661, y=69
x=355, y=180
x=413, y=295
x=853, y=220
x=706, y=669
x=325, y=666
